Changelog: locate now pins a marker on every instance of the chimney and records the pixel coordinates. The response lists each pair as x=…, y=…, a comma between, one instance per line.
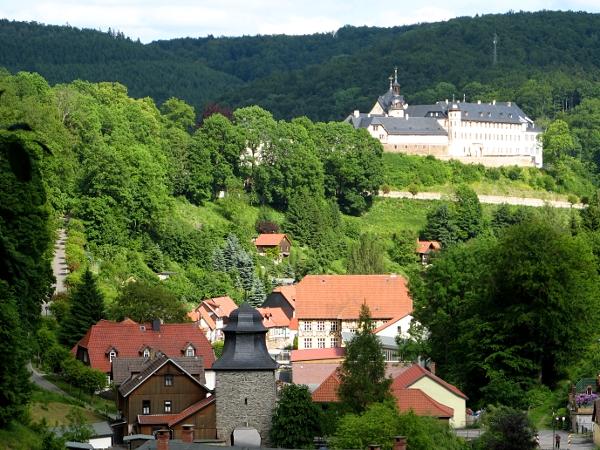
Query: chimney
x=399, y=443
x=432, y=367
x=156, y=325
x=494, y=102
x=162, y=436
x=479, y=102
x=356, y=113
x=187, y=433
x=509, y=104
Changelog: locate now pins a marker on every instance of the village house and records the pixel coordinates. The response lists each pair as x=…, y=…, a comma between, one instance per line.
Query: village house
x=211, y=316
x=493, y=134
x=426, y=249
x=582, y=396
x=283, y=297
x=414, y=388
x=274, y=244
x=164, y=395
x=328, y=305
x=108, y=340
x=280, y=328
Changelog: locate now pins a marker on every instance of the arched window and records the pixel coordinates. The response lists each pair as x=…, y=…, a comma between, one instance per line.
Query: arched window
x=112, y=355
x=189, y=351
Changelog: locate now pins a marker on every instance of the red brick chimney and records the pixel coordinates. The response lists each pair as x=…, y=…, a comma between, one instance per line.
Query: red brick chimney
x=187, y=433
x=162, y=436
x=432, y=367
x=399, y=443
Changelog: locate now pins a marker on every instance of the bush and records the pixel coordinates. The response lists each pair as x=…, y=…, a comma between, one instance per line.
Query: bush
x=79, y=375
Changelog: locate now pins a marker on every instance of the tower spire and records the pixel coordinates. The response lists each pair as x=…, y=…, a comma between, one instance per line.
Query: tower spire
x=395, y=74
x=391, y=81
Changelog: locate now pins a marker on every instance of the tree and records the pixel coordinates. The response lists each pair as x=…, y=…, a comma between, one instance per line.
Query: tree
x=366, y=256
x=468, y=215
x=86, y=308
x=507, y=429
x=441, y=226
x=77, y=430
x=144, y=302
x=296, y=419
x=404, y=247
x=362, y=373
x=557, y=141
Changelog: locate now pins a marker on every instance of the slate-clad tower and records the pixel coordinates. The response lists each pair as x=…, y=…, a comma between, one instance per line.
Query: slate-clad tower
x=245, y=376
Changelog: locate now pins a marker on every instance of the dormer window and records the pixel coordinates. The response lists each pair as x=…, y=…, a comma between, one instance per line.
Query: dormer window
x=190, y=351
x=146, y=353
x=112, y=355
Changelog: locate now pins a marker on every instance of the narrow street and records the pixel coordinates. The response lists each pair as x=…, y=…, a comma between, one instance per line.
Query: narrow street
x=578, y=441
x=59, y=267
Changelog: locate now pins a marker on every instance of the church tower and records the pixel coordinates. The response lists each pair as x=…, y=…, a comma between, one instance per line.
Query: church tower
x=397, y=104
x=455, y=147
x=245, y=378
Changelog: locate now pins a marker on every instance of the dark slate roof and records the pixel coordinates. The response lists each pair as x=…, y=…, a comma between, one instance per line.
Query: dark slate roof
x=123, y=368
x=245, y=347
x=133, y=383
x=79, y=445
x=502, y=112
x=400, y=125
x=436, y=110
x=387, y=99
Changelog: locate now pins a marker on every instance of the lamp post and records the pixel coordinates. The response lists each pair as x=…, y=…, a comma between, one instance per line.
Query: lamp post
x=553, y=428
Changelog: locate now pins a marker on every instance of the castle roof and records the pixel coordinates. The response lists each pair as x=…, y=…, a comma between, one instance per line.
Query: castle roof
x=406, y=125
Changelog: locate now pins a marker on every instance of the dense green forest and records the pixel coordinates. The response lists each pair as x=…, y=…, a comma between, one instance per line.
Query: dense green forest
x=547, y=62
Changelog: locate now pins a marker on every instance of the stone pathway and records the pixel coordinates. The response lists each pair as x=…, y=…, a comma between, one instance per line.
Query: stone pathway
x=38, y=379
x=490, y=199
x=60, y=270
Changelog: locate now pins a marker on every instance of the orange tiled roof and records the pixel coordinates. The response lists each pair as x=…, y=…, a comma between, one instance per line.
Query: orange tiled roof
x=406, y=399
x=341, y=296
x=274, y=317
x=425, y=246
x=328, y=390
x=314, y=354
x=127, y=338
x=420, y=403
x=294, y=323
x=288, y=292
x=270, y=239
x=172, y=419
x=415, y=373
x=211, y=309
x=390, y=322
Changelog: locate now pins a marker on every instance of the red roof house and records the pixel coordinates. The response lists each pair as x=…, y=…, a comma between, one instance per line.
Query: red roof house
x=211, y=315
x=328, y=305
x=128, y=339
x=426, y=248
x=423, y=399
x=278, y=241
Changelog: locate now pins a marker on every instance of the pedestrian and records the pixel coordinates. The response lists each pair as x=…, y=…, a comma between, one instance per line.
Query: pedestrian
x=557, y=441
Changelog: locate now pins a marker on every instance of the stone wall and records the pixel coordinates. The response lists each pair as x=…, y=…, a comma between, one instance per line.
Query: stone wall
x=245, y=397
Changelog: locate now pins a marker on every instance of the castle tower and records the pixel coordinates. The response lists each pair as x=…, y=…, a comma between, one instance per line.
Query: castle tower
x=455, y=147
x=397, y=104
x=245, y=377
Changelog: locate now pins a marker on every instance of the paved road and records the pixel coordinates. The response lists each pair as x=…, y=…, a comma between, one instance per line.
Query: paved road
x=491, y=199
x=578, y=441
x=40, y=381
x=59, y=267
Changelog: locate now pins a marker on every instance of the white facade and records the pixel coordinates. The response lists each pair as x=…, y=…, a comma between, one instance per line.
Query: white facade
x=494, y=134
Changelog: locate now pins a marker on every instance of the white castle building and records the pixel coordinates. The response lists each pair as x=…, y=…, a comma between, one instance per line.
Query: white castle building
x=493, y=134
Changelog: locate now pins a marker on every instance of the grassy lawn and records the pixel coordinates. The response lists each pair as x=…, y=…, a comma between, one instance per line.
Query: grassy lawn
x=56, y=413
x=18, y=436
x=98, y=404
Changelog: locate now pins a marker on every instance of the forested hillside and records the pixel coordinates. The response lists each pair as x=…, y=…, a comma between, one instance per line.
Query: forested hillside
x=547, y=62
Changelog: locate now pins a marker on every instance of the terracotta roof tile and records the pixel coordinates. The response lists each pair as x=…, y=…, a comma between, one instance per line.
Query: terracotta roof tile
x=288, y=292
x=341, y=296
x=274, y=317
x=211, y=309
x=425, y=246
x=420, y=403
x=270, y=239
x=314, y=354
x=415, y=373
x=328, y=390
x=127, y=337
